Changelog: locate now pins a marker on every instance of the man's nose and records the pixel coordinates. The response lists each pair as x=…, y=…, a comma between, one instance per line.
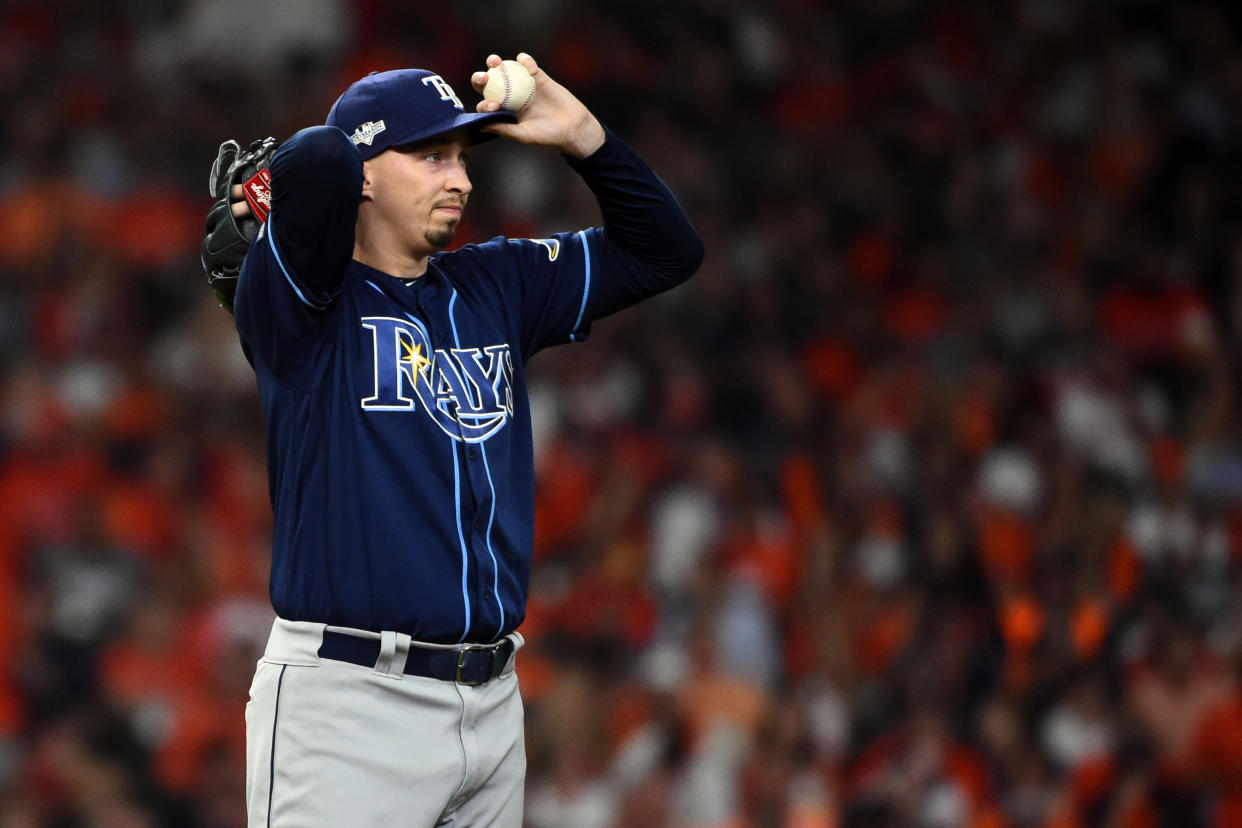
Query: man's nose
x=459, y=180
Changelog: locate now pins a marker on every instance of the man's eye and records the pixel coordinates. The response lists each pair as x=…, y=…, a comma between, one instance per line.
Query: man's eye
x=433, y=156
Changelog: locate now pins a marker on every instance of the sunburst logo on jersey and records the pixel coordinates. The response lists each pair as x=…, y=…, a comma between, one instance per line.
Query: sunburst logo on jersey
x=413, y=354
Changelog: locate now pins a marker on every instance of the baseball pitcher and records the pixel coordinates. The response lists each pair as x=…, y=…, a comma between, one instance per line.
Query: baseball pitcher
x=393, y=380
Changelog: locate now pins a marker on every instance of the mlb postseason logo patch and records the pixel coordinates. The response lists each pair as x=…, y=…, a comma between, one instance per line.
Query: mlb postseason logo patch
x=366, y=133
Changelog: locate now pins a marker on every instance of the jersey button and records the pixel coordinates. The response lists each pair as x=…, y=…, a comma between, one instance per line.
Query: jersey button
x=474, y=453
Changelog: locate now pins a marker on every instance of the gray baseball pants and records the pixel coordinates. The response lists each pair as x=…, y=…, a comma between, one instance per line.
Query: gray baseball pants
x=330, y=744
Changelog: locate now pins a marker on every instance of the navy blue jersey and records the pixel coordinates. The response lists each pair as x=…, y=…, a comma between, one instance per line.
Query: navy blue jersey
x=399, y=447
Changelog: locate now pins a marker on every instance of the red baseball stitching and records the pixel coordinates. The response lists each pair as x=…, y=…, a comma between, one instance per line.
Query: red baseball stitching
x=530, y=96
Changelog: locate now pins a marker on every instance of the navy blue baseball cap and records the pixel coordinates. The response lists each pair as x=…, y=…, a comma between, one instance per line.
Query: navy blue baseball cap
x=389, y=109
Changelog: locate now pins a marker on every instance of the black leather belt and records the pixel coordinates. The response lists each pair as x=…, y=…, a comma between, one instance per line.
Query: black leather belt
x=471, y=664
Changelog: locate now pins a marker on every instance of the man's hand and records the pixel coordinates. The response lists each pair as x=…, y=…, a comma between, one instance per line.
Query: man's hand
x=555, y=118
x=241, y=185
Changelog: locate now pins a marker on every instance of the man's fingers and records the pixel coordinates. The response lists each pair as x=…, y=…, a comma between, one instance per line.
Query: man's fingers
x=529, y=62
x=240, y=208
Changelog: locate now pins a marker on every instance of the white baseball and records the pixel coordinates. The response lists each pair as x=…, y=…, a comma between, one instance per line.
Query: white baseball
x=511, y=85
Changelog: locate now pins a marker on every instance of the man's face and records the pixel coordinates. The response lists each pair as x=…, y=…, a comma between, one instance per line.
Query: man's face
x=419, y=191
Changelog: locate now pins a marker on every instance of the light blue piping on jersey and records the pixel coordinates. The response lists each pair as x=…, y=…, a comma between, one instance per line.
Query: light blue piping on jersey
x=465, y=594
x=272, y=244
x=418, y=323
x=487, y=469
x=490, y=519
x=586, y=285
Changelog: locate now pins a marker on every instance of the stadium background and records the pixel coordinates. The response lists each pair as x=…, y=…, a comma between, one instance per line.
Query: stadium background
x=920, y=505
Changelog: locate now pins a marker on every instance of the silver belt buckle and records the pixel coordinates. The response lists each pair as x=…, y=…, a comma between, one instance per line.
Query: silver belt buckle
x=461, y=661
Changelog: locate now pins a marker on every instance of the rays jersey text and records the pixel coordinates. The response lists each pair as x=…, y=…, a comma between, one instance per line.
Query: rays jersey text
x=467, y=392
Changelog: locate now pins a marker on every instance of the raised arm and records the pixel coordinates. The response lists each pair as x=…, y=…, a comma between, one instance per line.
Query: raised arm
x=316, y=186
x=295, y=267
x=646, y=245
x=642, y=218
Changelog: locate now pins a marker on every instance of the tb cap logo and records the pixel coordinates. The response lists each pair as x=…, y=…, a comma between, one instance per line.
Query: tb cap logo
x=446, y=91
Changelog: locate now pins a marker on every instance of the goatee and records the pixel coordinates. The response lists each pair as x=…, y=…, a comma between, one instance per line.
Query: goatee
x=440, y=238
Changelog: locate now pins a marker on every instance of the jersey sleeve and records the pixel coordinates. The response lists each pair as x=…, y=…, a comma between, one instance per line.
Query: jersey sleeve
x=646, y=246
x=554, y=287
x=295, y=268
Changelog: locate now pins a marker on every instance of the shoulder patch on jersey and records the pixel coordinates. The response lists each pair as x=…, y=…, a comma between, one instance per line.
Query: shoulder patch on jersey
x=553, y=246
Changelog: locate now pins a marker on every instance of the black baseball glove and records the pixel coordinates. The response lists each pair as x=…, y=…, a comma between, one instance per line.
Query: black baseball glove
x=226, y=238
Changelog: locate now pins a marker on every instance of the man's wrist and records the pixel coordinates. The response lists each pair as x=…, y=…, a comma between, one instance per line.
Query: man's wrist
x=587, y=139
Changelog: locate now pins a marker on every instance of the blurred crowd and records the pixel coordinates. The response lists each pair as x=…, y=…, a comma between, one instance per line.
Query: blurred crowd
x=921, y=505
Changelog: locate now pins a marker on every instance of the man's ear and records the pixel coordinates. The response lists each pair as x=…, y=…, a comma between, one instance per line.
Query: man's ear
x=368, y=175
